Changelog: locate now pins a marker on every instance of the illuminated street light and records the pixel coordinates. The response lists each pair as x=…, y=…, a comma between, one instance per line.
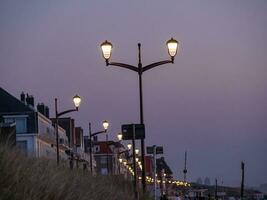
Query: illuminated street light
x=136, y=151
x=129, y=145
x=172, y=45
x=119, y=136
x=105, y=125
x=106, y=49
x=77, y=101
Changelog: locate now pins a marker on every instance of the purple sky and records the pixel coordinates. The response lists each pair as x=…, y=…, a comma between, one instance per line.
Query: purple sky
x=212, y=101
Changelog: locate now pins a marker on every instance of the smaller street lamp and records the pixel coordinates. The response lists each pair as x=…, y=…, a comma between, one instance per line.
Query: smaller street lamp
x=136, y=151
x=129, y=145
x=105, y=126
x=119, y=136
x=77, y=102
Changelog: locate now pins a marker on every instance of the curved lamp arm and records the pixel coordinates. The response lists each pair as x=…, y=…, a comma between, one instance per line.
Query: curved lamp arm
x=99, y=132
x=123, y=65
x=150, y=66
x=126, y=151
x=67, y=111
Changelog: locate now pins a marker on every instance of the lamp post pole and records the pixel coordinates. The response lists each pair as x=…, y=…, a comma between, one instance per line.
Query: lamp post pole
x=77, y=101
x=242, y=180
x=172, y=49
x=107, y=153
x=56, y=126
x=90, y=148
x=134, y=164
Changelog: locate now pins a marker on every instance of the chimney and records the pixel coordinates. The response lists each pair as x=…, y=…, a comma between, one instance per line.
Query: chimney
x=46, y=109
x=31, y=101
x=22, y=97
x=27, y=99
x=41, y=108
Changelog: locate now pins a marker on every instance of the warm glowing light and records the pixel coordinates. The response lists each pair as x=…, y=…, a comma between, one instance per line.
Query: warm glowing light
x=172, y=45
x=120, y=160
x=105, y=124
x=77, y=101
x=106, y=49
x=125, y=163
x=137, y=151
x=136, y=159
x=129, y=145
x=119, y=136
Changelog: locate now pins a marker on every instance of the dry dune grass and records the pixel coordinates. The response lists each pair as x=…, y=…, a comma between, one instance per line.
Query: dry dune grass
x=27, y=178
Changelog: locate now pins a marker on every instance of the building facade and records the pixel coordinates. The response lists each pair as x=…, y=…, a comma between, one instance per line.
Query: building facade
x=35, y=134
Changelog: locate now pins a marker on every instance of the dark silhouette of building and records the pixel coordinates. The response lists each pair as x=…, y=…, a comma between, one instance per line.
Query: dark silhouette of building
x=68, y=124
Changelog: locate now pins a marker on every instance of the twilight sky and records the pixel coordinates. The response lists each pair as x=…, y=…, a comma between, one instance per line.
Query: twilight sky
x=212, y=102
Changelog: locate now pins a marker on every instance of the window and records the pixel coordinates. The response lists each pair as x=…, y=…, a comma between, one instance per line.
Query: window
x=21, y=125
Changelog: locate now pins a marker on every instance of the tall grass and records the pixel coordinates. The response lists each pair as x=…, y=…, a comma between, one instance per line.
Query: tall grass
x=27, y=178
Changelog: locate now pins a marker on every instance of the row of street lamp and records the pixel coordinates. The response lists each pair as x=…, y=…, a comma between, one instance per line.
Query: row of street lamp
x=172, y=46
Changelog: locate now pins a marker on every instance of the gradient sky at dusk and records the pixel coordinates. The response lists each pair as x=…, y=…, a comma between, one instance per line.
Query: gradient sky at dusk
x=212, y=102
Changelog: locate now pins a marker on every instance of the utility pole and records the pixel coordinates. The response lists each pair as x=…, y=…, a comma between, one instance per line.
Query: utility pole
x=242, y=180
x=185, y=170
x=216, y=189
x=155, y=171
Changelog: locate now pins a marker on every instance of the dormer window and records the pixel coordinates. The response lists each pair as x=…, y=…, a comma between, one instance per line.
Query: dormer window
x=21, y=122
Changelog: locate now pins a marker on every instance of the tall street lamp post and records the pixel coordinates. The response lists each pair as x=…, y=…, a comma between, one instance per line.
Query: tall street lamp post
x=105, y=126
x=76, y=101
x=172, y=46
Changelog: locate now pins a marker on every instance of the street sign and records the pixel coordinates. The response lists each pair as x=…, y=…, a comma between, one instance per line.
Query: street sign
x=149, y=150
x=159, y=150
x=127, y=131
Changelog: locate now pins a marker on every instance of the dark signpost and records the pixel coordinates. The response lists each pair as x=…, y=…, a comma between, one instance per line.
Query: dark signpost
x=133, y=132
x=127, y=131
x=154, y=150
x=150, y=150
